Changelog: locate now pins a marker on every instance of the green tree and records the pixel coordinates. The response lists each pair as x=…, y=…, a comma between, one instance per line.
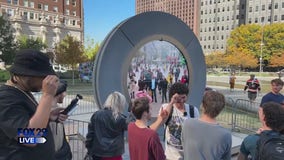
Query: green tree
x=70, y=51
x=8, y=45
x=91, y=48
x=31, y=43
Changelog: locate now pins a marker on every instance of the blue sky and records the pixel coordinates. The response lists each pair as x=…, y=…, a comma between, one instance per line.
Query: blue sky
x=101, y=16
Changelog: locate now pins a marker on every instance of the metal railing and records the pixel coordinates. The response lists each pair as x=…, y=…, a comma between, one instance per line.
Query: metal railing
x=76, y=132
x=240, y=115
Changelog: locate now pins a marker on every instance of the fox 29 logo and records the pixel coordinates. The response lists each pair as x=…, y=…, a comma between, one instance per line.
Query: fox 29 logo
x=32, y=135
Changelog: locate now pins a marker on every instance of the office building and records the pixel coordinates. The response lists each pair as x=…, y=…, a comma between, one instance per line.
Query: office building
x=49, y=20
x=186, y=10
x=219, y=17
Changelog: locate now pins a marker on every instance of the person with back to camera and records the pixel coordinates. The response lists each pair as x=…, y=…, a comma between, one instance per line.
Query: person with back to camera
x=62, y=147
x=144, y=143
x=253, y=86
x=178, y=111
x=30, y=72
x=204, y=138
x=105, y=137
x=272, y=120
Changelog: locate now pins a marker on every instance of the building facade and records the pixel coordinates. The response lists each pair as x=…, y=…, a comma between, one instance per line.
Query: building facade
x=186, y=10
x=213, y=20
x=219, y=17
x=49, y=20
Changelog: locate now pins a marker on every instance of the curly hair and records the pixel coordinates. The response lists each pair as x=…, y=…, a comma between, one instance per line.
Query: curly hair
x=274, y=116
x=178, y=88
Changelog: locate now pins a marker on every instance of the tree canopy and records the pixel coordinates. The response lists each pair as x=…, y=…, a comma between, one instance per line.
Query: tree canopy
x=32, y=43
x=69, y=51
x=8, y=45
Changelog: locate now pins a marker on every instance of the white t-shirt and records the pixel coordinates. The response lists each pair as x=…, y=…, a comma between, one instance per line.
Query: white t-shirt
x=173, y=145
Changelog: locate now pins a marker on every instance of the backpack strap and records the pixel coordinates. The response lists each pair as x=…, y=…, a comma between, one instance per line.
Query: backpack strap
x=191, y=111
x=170, y=116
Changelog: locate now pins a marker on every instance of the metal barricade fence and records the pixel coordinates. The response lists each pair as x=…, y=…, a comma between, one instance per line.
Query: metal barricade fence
x=240, y=115
x=76, y=132
x=245, y=116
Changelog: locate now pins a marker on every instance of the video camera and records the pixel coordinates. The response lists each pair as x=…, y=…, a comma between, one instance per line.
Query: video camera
x=72, y=105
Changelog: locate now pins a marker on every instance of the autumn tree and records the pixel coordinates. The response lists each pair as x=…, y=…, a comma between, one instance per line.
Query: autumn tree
x=8, y=45
x=70, y=52
x=241, y=60
x=215, y=59
x=277, y=60
x=257, y=41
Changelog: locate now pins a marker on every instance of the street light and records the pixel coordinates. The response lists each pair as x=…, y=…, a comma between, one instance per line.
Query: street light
x=261, y=45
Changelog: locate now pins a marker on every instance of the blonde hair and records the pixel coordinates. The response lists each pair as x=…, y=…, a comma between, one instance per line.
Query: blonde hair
x=115, y=102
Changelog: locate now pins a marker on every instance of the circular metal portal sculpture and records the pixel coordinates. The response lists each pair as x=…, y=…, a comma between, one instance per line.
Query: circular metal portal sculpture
x=121, y=44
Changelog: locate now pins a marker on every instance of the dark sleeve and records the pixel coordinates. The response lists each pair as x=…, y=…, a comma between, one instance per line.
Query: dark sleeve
x=90, y=134
x=156, y=147
x=13, y=115
x=246, y=86
x=243, y=148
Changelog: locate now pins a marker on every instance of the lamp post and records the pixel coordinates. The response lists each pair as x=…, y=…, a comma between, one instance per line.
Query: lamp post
x=261, y=45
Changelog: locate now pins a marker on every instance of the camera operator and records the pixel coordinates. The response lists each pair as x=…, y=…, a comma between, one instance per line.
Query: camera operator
x=30, y=72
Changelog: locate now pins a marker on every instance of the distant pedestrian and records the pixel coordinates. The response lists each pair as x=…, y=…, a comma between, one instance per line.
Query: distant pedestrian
x=253, y=87
x=232, y=81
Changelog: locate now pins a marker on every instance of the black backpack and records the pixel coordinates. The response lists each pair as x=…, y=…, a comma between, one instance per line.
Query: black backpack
x=270, y=146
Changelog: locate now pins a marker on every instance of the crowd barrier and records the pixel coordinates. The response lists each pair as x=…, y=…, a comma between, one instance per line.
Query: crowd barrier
x=239, y=116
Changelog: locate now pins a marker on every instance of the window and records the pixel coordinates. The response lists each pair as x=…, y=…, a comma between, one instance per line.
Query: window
x=74, y=13
x=269, y=18
x=25, y=15
x=262, y=19
x=74, y=2
x=15, y=2
x=67, y=2
x=26, y=3
x=55, y=9
x=256, y=20
x=54, y=0
x=256, y=8
x=9, y=1
x=269, y=6
x=67, y=12
x=275, y=17
x=282, y=17
x=31, y=15
x=263, y=7
x=32, y=4
x=10, y=12
x=276, y=6
x=250, y=9
x=74, y=22
x=46, y=7
x=39, y=6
